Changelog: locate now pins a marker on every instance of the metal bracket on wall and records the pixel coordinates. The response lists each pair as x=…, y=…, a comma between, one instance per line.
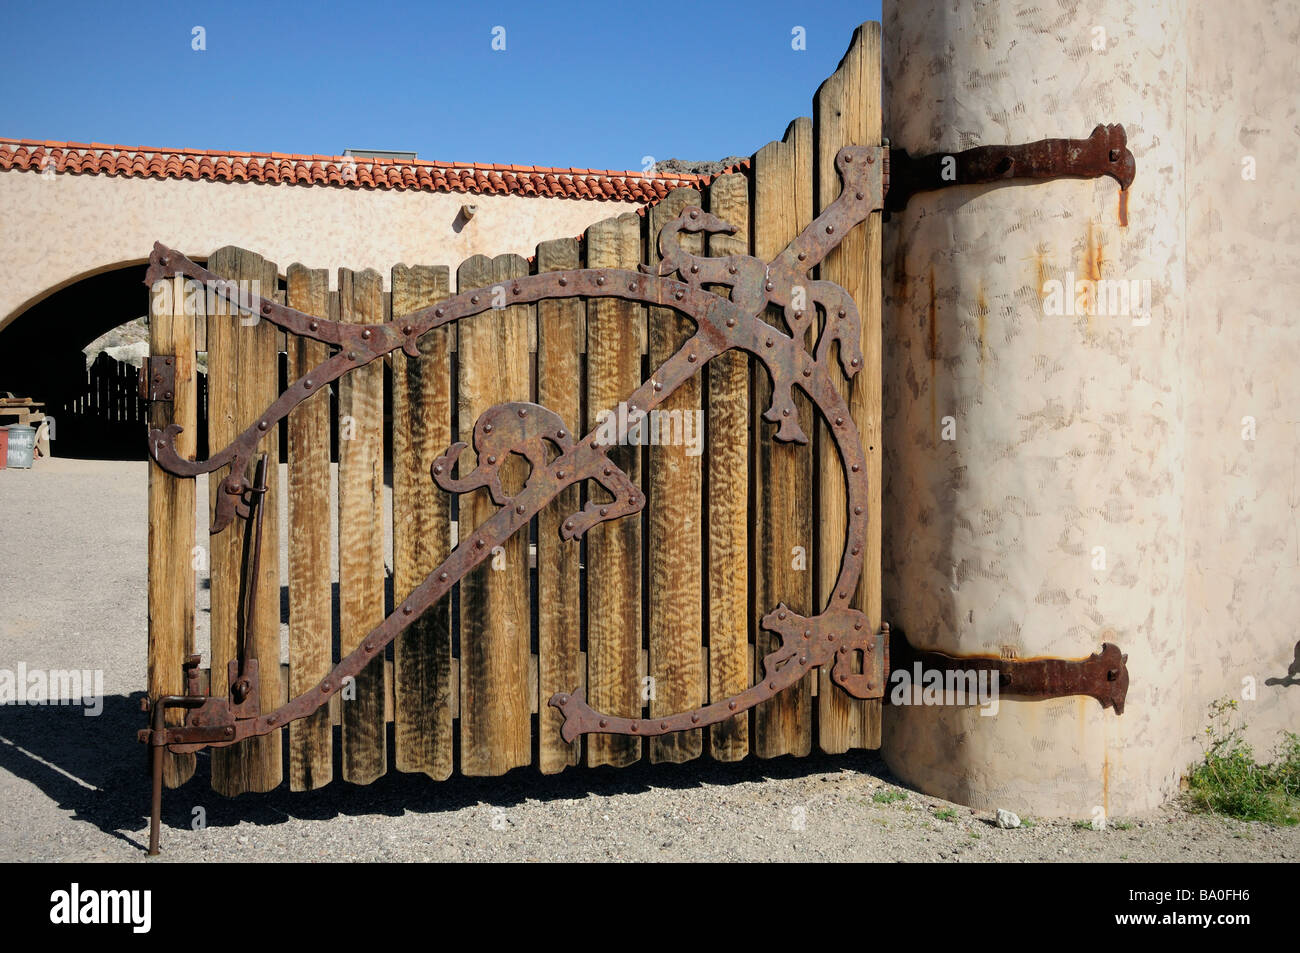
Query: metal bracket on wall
x=1104, y=153
x=1102, y=675
x=158, y=377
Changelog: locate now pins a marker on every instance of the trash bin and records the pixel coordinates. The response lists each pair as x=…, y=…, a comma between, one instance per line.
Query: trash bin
x=4, y=447
x=22, y=446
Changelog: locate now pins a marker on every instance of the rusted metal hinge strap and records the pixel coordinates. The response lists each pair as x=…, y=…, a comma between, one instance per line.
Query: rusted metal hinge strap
x=158, y=377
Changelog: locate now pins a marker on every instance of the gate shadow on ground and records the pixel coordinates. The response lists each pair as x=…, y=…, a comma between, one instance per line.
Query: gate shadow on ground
x=96, y=769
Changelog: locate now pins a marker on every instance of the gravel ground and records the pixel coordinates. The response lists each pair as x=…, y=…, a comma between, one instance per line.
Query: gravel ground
x=72, y=595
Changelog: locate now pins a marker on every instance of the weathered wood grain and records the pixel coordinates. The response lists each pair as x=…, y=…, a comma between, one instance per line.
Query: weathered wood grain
x=422, y=717
x=171, y=511
x=311, y=749
x=615, y=332
x=676, y=623
x=243, y=376
x=783, y=543
x=361, y=533
x=847, y=112
x=727, y=464
x=495, y=726
x=561, y=337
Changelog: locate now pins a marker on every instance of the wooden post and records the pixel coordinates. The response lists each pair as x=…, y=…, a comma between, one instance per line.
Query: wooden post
x=311, y=610
x=561, y=336
x=847, y=112
x=361, y=533
x=615, y=331
x=727, y=455
x=782, y=206
x=243, y=374
x=495, y=718
x=422, y=717
x=171, y=512
x=675, y=515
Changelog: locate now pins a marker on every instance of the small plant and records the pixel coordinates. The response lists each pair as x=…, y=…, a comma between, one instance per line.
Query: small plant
x=1083, y=825
x=947, y=814
x=1027, y=822
x=1122, y=825
x=1229, y=781
x=889, y=797
x=974, y=835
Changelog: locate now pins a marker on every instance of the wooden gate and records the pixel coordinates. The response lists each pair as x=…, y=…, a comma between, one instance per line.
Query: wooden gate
x=649, y=615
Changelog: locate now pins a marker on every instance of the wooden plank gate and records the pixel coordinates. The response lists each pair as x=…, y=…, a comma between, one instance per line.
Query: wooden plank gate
x=530, y=639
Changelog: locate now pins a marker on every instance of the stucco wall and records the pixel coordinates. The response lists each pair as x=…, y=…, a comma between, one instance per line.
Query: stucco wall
x=1243, y=357
x=1092, y=431
x=1068, y=430
x=57, y=228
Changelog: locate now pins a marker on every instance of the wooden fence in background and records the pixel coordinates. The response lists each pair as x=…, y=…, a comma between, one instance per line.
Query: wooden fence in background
x=650, y=614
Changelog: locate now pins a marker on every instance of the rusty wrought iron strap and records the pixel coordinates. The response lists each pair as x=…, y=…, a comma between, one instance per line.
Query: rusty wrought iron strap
x=840, y=635
x=1104, y=153
x=1102, y=675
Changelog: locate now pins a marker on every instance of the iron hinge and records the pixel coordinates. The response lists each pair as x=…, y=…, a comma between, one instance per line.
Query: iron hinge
x=158, y=377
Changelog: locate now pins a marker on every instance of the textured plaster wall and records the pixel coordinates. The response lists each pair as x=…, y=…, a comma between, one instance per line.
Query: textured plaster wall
x=55, y=229
x=1243, y=360
x=1070, y=431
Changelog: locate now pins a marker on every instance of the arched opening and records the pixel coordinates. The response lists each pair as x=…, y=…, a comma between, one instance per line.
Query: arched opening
x=94, y=403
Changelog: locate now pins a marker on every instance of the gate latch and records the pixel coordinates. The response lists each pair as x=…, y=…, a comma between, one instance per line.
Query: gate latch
x=158, y=377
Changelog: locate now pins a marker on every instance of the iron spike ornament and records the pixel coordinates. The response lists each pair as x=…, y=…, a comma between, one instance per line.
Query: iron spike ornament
x=839, y=635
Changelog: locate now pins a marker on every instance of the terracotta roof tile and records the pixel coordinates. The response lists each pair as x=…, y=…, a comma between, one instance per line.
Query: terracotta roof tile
x=99, y=158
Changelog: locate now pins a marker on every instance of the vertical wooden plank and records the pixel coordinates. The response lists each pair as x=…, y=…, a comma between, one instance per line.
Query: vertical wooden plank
x=675, y=479
x=783, y=544
x=171, y=513
x=847, y=112
x=615, y=331
x=495, y=721
x=361, y=532
x=311, y=749
x=243, y=361
x=727, y=463
x=422, y=716
x=560, y=340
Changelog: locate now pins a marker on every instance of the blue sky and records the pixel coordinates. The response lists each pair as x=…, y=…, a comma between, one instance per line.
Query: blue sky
x=594, y=85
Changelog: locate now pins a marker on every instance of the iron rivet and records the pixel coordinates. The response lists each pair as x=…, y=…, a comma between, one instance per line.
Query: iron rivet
x=474, y=300
x=519, y=509
x=325, y=686
x=830, y=229
x=230, y=732
x=807, y=372
x=604, y=723
x=437, y=468
x=857, y=511
x=523, y=411
x=487, y=428
x=438, y=313
x=786, y=412
x=314, y=326
x=830, y=637
x=691, y=357
x=856, y=468
x=840, y=676
x=1114, y=155
x=479, y=544
x=270, y=719
x=406, y=329
x=771, y=685
x=266, y=308
x=559, y=474
x=370, y=646
x=607, y=471
x=515, y=289
x=261, y=425
x=634, y=727
x=631, y=286
x=844, y=595
x=858, y=626
x=802, y=256
x=680, y=294
x=807, y=633
x=658, y=386
x=560, y=434
x=798, y=315
x=848, y=157
x=731, y=705
x=569, y=525
x=859, y=196
x=768, y=285
x=442, y=577
x=600, y=279
x=731, y=269
x=563, y=282
x=695, y=215
x=365, y=335
x=663, y=726
x=840, y=313
x=492, y=460
x=780, y=615
x=604, y=511
x=167, y=395
x=731, y=322
x=768, y=342
x=856, y=550
x=803, y=660
x=844, y=650
x=695, y=269
x=695, y=719
x=307, y=384
x=855, y=362
x=352, y=355
x=839, y=421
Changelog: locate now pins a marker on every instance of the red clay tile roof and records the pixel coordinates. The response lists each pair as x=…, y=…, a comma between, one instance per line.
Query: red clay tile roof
x=341, y=171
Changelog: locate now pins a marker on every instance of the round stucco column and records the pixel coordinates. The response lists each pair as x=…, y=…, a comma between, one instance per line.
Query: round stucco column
x=1033, y=488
